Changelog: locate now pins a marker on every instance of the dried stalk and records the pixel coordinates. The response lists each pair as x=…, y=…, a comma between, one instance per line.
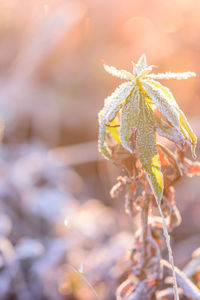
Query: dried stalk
x=171, y=259
x=145, y=229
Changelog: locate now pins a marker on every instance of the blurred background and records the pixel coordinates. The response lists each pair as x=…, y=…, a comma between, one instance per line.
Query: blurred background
x=59, y=227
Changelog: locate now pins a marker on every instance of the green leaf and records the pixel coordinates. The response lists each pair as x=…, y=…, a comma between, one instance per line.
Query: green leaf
x=102, y=136
x=147, y=151
x=123, y=74
x=162, y=101
x=185, y=126
x=112, y=104
x=129, y=119
x=140, y=66
x=171, y=75
x=111, y=107
x=165, y=90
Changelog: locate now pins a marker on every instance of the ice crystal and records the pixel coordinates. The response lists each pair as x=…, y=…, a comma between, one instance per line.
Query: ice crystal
x=135, y=101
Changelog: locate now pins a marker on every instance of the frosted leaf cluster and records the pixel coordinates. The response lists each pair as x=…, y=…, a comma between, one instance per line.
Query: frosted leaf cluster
x=144, y=106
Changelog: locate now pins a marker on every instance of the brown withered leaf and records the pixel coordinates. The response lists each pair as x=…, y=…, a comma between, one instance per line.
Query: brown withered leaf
x=170, y=166
x=123, y=158
x=191, y=168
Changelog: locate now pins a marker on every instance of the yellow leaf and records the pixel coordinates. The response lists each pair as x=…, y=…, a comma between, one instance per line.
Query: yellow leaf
x=163, y=103
x=165, y=90
x=113, y=128
x=187, y=128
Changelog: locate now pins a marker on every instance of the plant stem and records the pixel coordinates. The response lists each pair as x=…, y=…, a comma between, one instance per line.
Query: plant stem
x=171, y=259
x=144, y=221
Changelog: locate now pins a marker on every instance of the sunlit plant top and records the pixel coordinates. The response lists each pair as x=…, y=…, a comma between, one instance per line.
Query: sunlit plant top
x=138, y=109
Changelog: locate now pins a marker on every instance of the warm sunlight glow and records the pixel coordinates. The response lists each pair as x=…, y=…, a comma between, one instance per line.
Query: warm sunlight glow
x=65, y=232
x=66, y=223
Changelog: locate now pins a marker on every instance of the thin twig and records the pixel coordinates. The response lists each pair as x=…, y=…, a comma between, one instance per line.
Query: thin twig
x=171, y=259
x=85, y=280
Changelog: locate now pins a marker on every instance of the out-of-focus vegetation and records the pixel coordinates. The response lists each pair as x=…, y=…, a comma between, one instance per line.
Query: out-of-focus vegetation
x=55, y=210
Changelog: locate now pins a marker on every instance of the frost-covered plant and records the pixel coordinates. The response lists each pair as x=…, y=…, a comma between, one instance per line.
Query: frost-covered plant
x=128, y=123
x=137, y=101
